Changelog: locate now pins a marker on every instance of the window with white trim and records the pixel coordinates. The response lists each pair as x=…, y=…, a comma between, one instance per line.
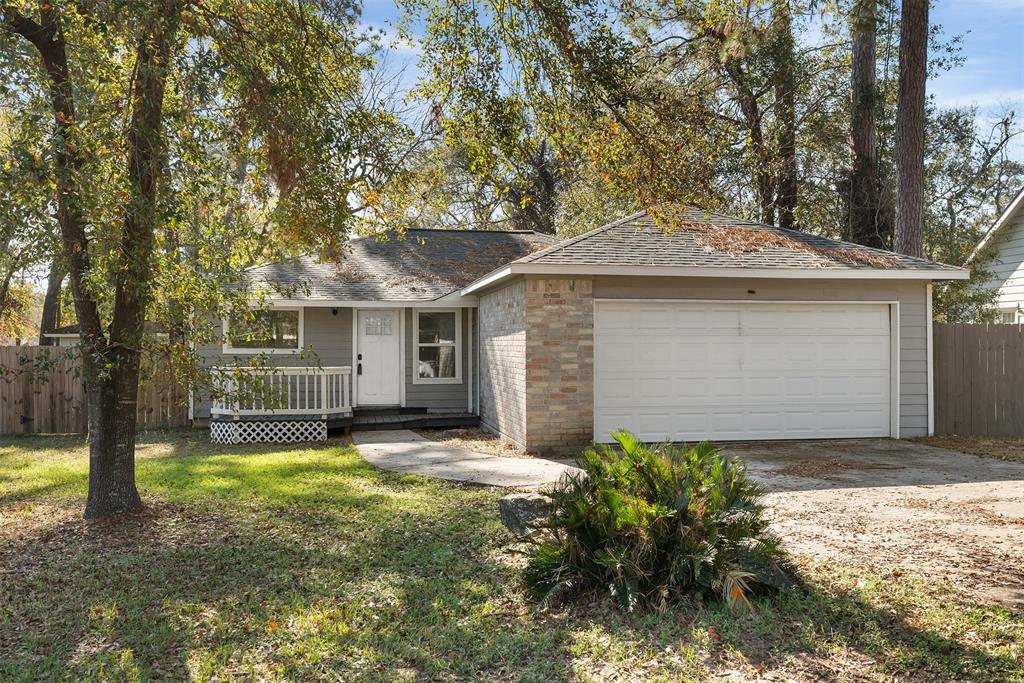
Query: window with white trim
x=1008, y=317
x=277, y=330
x=437, y=347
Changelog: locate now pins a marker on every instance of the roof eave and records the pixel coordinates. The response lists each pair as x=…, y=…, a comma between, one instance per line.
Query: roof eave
x=997, y=227
x=453, y=299
x=513, y=269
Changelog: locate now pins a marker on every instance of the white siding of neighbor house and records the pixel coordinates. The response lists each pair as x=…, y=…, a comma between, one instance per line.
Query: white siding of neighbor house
x=913, y=322
x=1007, y=266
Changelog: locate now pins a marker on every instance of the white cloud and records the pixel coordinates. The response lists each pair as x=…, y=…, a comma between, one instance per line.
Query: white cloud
x=991, y=98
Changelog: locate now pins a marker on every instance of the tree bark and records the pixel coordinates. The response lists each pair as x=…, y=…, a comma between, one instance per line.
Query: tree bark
x=910, y=124
x=751, y=111
x=5, y=286
x=50, y=319
x=785, y=98
x=865, y=226
x=112, y=464
x=110, y=365
x=48, y=38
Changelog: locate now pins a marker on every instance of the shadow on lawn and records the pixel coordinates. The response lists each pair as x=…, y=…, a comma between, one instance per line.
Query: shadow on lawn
x=878, y=639
x=281, y=578
x=325, y=566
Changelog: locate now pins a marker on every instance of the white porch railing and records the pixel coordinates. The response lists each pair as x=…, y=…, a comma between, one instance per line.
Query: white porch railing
x=284, y=391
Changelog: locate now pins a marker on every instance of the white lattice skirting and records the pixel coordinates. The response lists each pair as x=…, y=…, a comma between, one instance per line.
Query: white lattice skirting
x=269, y=431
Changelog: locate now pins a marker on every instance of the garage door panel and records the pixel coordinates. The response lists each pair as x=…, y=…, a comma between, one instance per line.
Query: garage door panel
x=690, y=370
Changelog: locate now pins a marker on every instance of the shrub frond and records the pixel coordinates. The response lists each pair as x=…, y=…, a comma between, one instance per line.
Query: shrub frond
x=647, y=525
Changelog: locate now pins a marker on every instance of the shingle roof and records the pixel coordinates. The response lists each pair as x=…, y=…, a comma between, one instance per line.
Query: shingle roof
x=423, y=266
x=637, y=241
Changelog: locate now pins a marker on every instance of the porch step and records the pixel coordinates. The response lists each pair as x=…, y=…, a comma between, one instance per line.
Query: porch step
x=357, y=412
x=420, y=420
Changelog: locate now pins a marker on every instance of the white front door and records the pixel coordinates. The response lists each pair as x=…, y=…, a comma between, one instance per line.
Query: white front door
x=712, y=370
x=378, y=349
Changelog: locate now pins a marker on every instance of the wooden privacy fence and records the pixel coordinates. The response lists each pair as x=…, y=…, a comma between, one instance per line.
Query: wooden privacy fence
x=979, y=380
x=51, y=399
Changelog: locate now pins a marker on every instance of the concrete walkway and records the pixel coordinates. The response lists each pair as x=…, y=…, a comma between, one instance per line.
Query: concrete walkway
x=402, y=450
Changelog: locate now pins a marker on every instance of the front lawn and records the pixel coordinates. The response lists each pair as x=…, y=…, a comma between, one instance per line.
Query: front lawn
x=306, y=563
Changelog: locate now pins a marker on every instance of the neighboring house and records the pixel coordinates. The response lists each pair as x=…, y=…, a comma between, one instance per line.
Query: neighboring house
x=722, y=329
x=1005, y=242
x=66, y=335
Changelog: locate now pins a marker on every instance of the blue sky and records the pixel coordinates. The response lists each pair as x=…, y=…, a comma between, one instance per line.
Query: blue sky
x=993, y=47
x=992, y=78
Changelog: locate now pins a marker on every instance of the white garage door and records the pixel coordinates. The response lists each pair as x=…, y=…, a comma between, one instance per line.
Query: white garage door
x=693, y=370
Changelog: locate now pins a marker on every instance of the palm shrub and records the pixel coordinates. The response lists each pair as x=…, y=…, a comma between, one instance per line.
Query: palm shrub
x=650, y=525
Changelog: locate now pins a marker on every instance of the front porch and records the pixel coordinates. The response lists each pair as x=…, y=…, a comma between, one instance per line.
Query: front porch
x=280, y=405
x=294, y=404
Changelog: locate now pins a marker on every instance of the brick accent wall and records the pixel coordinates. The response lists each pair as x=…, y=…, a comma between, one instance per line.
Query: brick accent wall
x=537, y=363
x=559, y=364
x=502, y=320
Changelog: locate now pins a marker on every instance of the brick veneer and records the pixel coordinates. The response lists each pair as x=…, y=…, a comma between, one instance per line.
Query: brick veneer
x=537, y=363
x=503, y=361
x=559, y=364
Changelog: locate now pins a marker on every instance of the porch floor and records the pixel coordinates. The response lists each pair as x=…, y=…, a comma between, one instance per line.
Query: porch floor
x=371, y=421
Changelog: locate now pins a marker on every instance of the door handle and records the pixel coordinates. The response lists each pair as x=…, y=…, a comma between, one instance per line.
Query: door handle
x=359, y=369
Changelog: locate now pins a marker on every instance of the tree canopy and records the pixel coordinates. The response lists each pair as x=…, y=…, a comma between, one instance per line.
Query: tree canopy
x=563, y=115
x=154, y=149
x=170, y=144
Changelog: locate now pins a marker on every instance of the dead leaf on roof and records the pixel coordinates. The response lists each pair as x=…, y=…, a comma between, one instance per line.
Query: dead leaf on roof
x=737, y=239
x=345, y=271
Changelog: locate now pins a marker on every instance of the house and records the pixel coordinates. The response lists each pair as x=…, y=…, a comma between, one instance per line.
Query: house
x=1005, y=243
x=66, y=335
x=69, y=335
x=721, y=329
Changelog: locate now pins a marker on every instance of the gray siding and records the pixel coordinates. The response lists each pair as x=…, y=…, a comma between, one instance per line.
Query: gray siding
x=441, y=397
x=502, y=375
x=327, y=340
x=1008, y=265
x=328, y=337
x=911, y=295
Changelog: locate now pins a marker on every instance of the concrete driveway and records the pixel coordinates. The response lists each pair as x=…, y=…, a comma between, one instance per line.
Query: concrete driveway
x=898, y=504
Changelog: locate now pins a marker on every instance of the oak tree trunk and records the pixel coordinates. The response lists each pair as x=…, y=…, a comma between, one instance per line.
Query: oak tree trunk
x=110, y=361
x=112, y=425
x=865, y=226
x=112, y=448
x=910, y=123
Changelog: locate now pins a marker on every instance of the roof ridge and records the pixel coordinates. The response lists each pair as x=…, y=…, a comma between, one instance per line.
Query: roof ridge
x=568, y=250
x=578, y=238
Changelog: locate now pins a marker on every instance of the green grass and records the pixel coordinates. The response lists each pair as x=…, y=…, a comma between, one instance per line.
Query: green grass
x=306, y=563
